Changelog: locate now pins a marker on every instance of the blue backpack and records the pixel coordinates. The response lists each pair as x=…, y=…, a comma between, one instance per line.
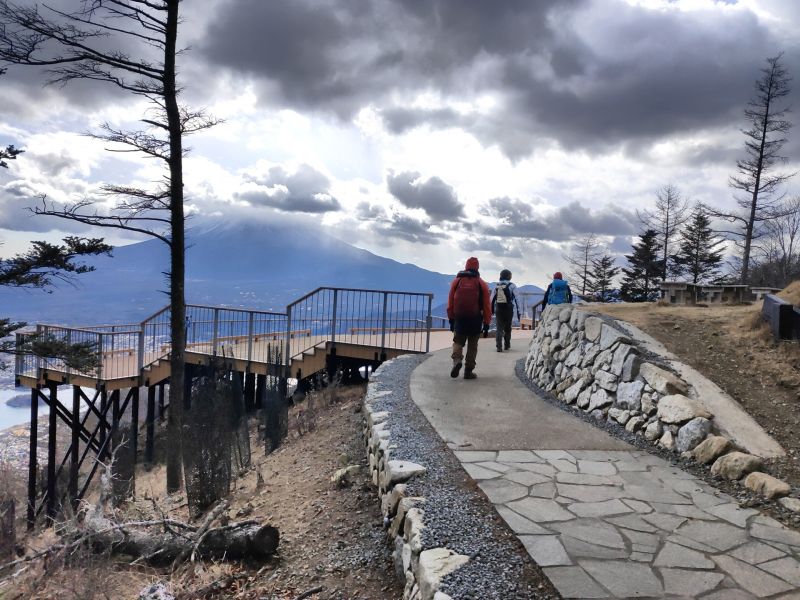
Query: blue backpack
x=558, y=292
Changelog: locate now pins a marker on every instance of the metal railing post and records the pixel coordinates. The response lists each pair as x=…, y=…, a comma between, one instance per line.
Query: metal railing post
x=100, y=353
x=250, y=338
x=69, y=343
x=428, y=322
x=287, y=359
x=383, y=321
x=215, y=333
x=333, y=322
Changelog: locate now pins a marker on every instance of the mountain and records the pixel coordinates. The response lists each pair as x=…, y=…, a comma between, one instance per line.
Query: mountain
x=243, y=265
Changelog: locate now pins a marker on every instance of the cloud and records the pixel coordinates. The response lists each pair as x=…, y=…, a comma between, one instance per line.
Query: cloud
x=305, y=190
x=498, y=247
x=411, y=230
x=433, y=196
x=589, y=74
x=516, y=219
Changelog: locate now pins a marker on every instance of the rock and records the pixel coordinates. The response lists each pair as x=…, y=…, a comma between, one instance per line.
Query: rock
x=619, y=415
x=592, y=327
x=434, y=565
x=610, y=336
x=735, y=465
x=648, y=405
x=156, y=591
x=629, y=395
x=584, y=397
x=598, y=414
x=634, y=424
x=766, y=485
x=662, y=381
x=606, y=380
x=390, y=501
x=620, y=356
x=652, y=431
x=343, y=477
x=565, y=313
x=711, y=448
x=590, y=352
x=398, y=471
x=679, y=409
x=792, y=504
x=599, y=399
x=630, y=369
x=442, y=596
x=667, y=441
x=571, y=393
x=691, y=434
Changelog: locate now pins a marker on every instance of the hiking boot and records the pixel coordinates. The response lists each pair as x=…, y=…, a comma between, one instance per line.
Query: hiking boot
x=508, y=346
x=469, y=375
x=499, y=349
x=455, y=370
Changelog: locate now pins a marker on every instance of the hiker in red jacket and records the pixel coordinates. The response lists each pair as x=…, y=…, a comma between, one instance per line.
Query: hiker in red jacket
x=469, y=309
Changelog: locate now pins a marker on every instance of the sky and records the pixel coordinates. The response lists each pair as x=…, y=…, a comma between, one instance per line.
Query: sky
x=425, y=131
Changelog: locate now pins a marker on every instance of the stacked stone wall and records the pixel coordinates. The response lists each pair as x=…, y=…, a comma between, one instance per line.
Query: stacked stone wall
x=584, y=359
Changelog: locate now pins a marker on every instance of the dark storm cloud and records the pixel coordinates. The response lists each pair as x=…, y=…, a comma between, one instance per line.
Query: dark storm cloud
x=519, y=220
x=588, y=73
x=433, y=196
x=369, y=212
x=306, y=191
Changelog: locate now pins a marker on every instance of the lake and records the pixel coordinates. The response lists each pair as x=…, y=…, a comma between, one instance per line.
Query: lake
x=10, y=416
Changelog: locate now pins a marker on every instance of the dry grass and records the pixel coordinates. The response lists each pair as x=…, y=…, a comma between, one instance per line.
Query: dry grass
x=791, y=293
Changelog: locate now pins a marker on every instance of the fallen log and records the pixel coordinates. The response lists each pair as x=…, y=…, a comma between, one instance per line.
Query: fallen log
x=162, y=543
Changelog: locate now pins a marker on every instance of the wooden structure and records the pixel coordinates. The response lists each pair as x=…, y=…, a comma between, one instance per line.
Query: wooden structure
x=329, y=329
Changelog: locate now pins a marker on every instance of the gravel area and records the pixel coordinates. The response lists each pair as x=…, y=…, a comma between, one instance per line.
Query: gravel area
x=457, y=514
x=745, y=497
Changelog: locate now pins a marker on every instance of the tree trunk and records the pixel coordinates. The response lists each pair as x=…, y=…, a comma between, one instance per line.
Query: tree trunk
x=177, y=256
x=159, y=545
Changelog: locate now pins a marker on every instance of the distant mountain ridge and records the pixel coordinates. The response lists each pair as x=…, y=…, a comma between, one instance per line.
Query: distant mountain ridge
x=238, y=265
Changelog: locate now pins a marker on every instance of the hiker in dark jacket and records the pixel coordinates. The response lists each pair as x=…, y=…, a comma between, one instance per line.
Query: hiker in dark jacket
x=469, y=310
x=557, y=292
x=504, y=300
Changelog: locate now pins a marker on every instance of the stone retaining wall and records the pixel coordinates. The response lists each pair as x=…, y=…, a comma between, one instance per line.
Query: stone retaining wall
x=584, y=359
x=420, y=570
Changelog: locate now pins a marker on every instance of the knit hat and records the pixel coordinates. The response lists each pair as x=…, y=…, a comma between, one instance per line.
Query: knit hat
x=557, y=275
x=472, y=264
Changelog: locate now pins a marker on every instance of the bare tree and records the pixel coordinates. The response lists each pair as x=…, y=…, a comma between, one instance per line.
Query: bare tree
x=584, y=251
x=776, y=258
x=666, y=218
x=132, y=45
x=756, y=177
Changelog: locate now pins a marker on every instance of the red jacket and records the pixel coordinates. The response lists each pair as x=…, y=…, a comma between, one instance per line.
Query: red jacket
x=486, y=301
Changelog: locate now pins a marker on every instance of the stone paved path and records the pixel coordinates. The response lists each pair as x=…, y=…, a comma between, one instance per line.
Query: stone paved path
x=607, y=522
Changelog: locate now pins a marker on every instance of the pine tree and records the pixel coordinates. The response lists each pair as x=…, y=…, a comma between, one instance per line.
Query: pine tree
x=601, y=276
x=645, y=270
x=699, y=255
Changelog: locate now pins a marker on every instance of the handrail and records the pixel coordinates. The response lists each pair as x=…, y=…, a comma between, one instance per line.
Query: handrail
x=383, y=319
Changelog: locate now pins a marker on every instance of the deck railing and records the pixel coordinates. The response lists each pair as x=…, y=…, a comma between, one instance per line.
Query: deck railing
x=377, y=318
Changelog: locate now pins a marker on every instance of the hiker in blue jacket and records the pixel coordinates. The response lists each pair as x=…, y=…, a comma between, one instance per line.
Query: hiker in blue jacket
x=557, y=292
x=504, y=300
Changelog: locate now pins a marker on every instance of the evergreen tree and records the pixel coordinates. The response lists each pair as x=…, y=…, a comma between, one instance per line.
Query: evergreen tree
x=699, y=255
x=601, y=276
x=645, y=269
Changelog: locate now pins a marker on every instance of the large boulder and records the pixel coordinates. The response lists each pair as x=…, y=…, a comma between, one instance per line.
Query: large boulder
x=691, y=434
x=610, y=336
x=711, y=448
x=676, y=408
x=620, y=356
x=735, y=465
x=606, y=380
x=661, y=380
x=767, y=485
x=630, y=369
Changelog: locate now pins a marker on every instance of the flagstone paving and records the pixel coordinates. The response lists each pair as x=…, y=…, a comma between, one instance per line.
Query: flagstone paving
x=606, y=522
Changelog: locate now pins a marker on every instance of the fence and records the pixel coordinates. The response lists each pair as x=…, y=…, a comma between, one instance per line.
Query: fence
x=376, y=318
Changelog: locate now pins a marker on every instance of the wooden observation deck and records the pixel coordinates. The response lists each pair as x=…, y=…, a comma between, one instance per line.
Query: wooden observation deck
x=328, y=329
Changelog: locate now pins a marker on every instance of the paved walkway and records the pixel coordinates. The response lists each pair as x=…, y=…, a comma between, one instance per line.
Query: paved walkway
x=602, y=518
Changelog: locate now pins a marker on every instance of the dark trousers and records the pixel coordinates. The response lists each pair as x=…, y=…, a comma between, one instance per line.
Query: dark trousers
x=504, y=315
